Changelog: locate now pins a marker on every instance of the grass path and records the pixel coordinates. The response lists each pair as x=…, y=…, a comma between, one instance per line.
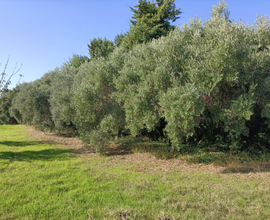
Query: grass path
x=46, y=180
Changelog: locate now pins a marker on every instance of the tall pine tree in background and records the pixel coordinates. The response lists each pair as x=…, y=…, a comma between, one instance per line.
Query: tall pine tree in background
x=77, y=60
x=150, y=21
x=119, y=39
x=99, y=47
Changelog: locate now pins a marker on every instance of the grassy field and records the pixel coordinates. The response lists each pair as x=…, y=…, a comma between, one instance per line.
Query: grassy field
x=45, y=179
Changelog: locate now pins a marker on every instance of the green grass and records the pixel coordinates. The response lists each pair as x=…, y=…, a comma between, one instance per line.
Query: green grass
x=41, y=180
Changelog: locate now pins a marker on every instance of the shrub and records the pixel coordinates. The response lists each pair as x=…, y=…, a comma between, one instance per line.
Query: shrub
x=97, y=112
x=207, y=82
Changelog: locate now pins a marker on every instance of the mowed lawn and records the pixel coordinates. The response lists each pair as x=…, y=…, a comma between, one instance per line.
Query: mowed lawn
x=45, y=180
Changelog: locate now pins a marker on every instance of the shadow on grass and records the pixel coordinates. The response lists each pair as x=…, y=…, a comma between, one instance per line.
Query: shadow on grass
x=216, y=158
x=118, y=149
x=130, y=145
x=44, y=155
x=258, y=167
x=233, y=163
x=242, y=162
x=17, y=143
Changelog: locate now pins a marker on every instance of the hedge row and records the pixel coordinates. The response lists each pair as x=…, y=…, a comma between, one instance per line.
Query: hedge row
x=205, y=83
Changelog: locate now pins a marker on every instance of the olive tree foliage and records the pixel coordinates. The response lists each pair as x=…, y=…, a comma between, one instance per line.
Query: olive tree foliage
x=61, y=97
x=149, y=71
x=31, y=104
x=207, y=82
x=21, y=108
x=5, y=117
x=46, y=102
x=226, y=64
x=98, y=116
x=43, y=116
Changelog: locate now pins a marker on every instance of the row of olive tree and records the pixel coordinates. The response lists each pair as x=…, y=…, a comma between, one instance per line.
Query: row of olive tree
x=205, y=84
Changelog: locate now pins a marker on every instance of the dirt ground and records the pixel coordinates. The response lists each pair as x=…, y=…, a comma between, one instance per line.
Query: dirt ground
x=145, y=162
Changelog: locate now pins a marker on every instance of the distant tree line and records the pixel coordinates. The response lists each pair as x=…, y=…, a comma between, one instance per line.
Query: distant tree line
x=6, y=94
x=203, y=84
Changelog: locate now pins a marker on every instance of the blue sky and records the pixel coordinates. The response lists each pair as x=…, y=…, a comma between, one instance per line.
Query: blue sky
x=43, y=34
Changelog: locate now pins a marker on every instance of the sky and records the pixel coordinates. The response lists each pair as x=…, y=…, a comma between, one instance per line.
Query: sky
x=43, y=34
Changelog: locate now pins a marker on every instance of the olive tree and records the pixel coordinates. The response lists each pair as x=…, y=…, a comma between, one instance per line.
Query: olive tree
x=207, y=82
x=98, y=116
x=61, y=97
x=31, y=103
x=5, y=116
